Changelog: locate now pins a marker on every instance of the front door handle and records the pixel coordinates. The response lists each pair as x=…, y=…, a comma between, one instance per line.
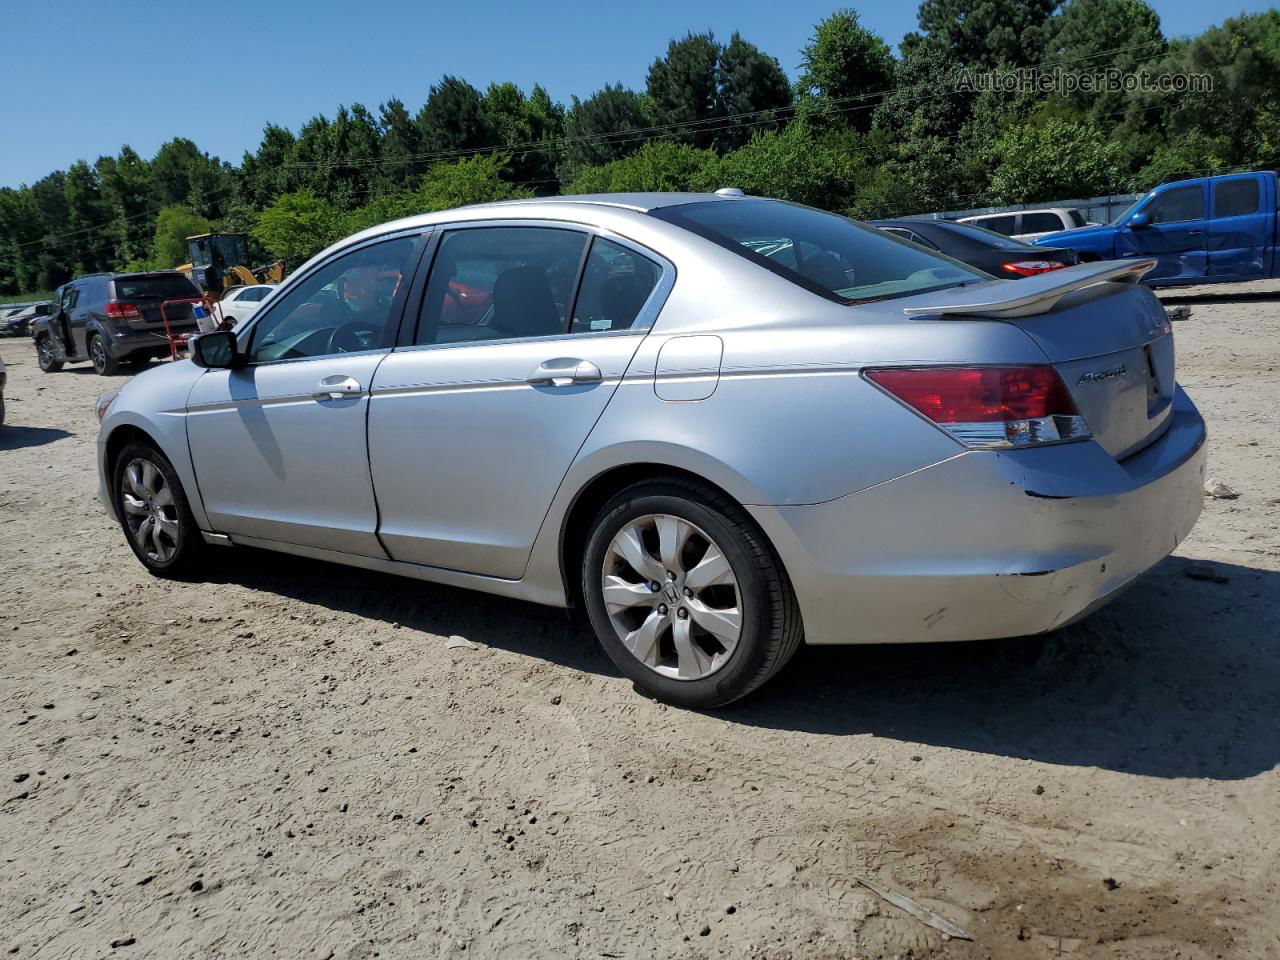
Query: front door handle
x=564, y=372
x=337, y=387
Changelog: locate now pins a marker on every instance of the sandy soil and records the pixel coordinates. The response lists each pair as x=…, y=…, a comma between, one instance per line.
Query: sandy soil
x=289, y=761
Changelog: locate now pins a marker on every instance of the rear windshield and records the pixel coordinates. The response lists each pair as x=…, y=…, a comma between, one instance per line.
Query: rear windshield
x=822, y=252
x=170, y=286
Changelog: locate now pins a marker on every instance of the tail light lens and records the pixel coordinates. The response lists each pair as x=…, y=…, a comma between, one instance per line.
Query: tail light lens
x=116, y=310
x=1029, y=268
x=988, y=407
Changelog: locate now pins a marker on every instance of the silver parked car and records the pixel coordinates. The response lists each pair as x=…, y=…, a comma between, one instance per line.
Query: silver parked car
x=723, y=424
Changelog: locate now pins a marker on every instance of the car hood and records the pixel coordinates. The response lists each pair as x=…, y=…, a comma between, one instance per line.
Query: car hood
x=1065, y=238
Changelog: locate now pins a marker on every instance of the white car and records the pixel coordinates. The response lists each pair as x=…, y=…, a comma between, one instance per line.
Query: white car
x=240, y=303
x=1029, y=224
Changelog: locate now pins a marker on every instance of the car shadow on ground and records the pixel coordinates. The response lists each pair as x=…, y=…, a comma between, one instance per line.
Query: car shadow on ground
x=1224, y=296
x=15, y=438
x=1179, y=677
x=557, y=636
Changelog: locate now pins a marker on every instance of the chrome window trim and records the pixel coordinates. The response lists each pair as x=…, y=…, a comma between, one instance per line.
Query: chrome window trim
x=644, y=321
x=272, y=300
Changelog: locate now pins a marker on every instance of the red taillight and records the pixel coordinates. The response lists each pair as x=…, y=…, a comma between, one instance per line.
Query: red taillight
x=1029, y=268
x=117, y=310
x=988, y=406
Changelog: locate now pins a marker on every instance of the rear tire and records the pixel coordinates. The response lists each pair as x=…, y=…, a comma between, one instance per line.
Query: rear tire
x=103, y=363
x=44, y=355
x=154, y=513
x=731, y=622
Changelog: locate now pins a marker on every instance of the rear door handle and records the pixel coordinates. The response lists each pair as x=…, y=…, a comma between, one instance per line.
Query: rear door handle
x=564, y=372
x=337, y=387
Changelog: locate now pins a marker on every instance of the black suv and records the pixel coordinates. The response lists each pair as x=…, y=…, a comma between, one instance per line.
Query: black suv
x=108, y=318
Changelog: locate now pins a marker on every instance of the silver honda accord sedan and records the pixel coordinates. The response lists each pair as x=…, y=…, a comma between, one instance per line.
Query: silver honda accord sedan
x=722, y=424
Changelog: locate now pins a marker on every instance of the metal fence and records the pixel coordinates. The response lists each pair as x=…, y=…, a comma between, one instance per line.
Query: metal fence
x=1093, y=209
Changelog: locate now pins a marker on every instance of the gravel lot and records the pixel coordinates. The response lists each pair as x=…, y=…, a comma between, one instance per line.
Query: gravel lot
x=288, y=760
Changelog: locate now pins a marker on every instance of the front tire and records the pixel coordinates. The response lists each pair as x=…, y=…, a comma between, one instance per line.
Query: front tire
x=103, y=362
x=44, y=355
x=686, y=596
x=154, y=512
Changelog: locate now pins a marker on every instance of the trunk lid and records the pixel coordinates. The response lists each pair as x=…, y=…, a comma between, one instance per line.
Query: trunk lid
x=1111, y=342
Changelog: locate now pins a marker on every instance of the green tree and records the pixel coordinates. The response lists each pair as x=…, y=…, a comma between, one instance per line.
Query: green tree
x=659, y=165
x=599, y=129
x=470, y=180
x=842, y=68
x=453, y=118
x=169, y=245
x=1055, y=160
x=127, y=189
x=297, y=226
x=683, y=89
x=794, y=164
x=749, y=81
x=989, y=33
x=519, y=122
x=401, y=147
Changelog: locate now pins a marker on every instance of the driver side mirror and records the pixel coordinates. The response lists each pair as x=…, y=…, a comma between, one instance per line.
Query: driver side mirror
x=1140, y=220
x=216, y=350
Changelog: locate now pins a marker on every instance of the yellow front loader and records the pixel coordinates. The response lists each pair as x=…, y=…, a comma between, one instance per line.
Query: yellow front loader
x=219, y=260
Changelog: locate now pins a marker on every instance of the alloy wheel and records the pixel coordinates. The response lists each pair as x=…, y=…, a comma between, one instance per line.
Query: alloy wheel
x=672, y=597
x=149, y=510
x=98, y=354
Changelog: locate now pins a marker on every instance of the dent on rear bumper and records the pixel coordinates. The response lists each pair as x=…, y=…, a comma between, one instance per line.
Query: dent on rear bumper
x=990, y=544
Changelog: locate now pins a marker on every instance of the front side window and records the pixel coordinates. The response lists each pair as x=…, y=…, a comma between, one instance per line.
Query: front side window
x=615, y=286
x=824, y=253
x=1175, y=206
x=1077, y=218
x=500, y=283
x=1235, y=198
x=347, y=305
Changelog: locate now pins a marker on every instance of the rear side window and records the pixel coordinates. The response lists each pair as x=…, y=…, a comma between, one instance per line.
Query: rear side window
x=1175, y=206
x=161, y=287
x=824, y=253
x=1233, y=198
x=1040, y=222
x=615, y=286
x=500, y=283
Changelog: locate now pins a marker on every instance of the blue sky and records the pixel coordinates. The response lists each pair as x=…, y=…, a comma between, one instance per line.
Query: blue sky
x=79, y=79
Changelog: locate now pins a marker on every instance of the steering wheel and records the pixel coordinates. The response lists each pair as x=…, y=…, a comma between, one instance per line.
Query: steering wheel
x=351, y=337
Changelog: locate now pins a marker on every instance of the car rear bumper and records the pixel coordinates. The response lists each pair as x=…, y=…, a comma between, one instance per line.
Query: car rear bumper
x=126, y=340
x=990, y=544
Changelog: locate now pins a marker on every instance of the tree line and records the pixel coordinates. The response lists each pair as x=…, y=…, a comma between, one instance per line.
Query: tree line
x=860, y=131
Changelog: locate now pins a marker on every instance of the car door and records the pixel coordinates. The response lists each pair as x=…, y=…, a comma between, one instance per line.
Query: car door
x=1174, y=233
x=278, y=444
x=1239, y=230
x=73, y=318
x=523, y=334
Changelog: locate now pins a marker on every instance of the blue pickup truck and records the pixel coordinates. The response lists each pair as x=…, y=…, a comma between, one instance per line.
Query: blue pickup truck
x=1211, y=230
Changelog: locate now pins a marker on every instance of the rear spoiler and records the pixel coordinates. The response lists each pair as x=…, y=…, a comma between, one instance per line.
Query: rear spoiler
x=1031, y=295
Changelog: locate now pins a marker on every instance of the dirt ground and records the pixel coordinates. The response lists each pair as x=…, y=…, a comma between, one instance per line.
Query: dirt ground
x=289, y=761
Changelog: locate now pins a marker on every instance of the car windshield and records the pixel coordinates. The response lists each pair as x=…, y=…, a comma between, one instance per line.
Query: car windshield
x=163, y=287
x=822, y=252
x=1128, y=211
